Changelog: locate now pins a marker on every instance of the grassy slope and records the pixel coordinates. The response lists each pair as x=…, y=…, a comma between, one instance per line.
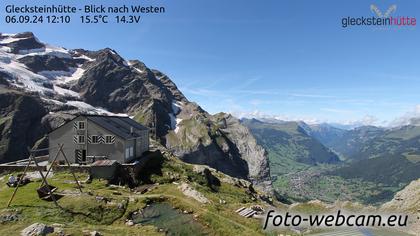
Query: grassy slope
x=81, y=211
x=85, y=212
x=390, y=160
x=288, y=146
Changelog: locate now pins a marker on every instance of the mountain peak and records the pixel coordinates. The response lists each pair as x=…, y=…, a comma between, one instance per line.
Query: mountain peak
x=112, y=55
x=250, y=120
x=21, y=43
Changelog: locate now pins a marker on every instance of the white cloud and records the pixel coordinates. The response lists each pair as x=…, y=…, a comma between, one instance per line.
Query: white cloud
x=280, y=117
x=366, y=120
x=351, y=123
x=339, y=111
x=409, y=118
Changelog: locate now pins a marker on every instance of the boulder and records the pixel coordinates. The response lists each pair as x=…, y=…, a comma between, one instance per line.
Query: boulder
x=95, y=233
x=129, y=223
x=190, y=192
x=37, y=229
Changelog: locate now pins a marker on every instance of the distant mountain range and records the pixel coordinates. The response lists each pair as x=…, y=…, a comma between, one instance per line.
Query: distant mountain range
x=289, y=144
x=380, y=160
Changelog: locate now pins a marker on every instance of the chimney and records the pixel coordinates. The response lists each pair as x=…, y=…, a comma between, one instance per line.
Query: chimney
x=131, y=130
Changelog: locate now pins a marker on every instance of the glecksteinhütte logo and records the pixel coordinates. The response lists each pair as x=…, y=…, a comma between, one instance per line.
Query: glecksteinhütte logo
x=379, y=13
x=380, y=19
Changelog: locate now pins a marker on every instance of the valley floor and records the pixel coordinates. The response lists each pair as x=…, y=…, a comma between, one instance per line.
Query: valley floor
x=314, y=182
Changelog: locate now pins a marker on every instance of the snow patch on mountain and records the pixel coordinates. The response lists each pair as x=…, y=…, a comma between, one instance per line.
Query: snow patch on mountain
x=20, y=75
x=176, y=107
x=84, y=107
x=47, y=50
x=84, y=57
x=65, y=92
x=160, y=77
x=87, y=108
x=64, y=77
x=137, y=69
x=4, y=58
x=10, y=40
x=7, y=34
x=44, y=82
x=113, y=52
x=178, y=121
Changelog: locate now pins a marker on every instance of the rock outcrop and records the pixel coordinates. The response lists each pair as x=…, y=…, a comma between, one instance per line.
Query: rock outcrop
x=20, y=124
x=407, y=201
x=37, y=229
x=254, y=155
x=188, y=191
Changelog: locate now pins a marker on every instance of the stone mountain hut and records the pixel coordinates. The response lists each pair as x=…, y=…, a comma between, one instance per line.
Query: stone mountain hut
x=88, y=138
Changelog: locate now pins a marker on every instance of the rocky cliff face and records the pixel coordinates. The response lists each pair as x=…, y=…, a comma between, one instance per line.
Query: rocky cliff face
x=254, y=155
x=20, y=123
x=407, y=201
x=55, y=84
x=219, y=141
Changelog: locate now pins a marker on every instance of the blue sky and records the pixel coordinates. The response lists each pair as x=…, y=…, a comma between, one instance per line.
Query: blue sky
x=286, y=59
